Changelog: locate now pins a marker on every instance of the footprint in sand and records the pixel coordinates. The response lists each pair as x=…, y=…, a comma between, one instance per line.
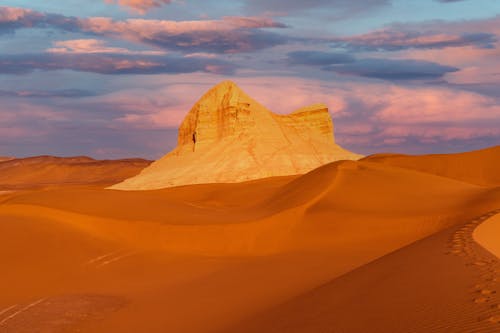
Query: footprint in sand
x=481, y=300
x=490, y=279
x=480, y=263
x=486, y=292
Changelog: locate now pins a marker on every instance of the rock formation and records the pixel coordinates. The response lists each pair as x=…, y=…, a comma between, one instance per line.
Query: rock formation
x=228, y=137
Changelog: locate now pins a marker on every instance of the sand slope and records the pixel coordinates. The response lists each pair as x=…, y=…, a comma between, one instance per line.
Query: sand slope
x=206, y=258
x=477, y=167
x=444, y=283
x=488, y=235
x=43, y=171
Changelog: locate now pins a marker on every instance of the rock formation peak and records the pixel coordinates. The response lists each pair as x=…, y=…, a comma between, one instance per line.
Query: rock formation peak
x=229, y=137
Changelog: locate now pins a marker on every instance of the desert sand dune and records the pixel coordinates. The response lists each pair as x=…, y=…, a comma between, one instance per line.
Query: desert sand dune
x=43, y=171
x=462, y=166
x=444, y=283
x=488, y=234
x=203, y=258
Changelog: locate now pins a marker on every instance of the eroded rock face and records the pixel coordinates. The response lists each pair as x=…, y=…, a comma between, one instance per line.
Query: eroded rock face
x=228, y=137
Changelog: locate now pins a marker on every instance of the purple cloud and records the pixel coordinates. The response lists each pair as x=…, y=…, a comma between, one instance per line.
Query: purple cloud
x=397, y=39
x=388, y=69
x=65, y=93
x=140, y=6
x=111, y=64
x=232, y=34
x=12, y=18
x=285, y=7
x=318, y=58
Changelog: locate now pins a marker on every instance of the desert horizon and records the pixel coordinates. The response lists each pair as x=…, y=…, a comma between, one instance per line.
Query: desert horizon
x=249, y=166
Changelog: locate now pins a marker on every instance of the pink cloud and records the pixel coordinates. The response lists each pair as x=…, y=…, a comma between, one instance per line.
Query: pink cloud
x=94, y=46
x=394, y=141
x=439, y=133
x=368, y=117
x=227, y=35
x=476, y=65
x=365, y=114
x=421, y=114
x=392, y=39
x=142, y=29
x=356, y=129
x=12, y=14
x=15, y=132
x=231, y=34
x=489, y=25
x=433, y=105
x=140, y=6
x=479, y=59
x=29, y=120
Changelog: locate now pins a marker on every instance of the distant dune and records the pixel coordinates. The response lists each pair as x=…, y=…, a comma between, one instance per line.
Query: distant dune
x=352, y=246
x=5, y=158
x=42, y=171
x=478, y=167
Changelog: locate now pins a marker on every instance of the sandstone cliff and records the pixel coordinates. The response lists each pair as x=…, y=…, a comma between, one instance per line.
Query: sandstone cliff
x=228, y=137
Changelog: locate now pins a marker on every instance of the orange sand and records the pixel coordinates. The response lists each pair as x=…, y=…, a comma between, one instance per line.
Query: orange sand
x=367, y=246
x=43, y=171
x=488, y=235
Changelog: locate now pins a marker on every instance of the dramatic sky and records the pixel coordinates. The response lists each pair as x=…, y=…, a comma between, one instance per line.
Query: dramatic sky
x=114, y=78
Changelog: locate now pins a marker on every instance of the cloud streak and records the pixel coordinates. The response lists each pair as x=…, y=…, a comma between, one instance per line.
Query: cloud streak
x=396, y=40
x=89, y=46
x=111, y=64
x=337, y=7
x=65, y=93
x=140, y=6
x=318, y=58
x=369, y=117
x=386, y=69
x=231, y=34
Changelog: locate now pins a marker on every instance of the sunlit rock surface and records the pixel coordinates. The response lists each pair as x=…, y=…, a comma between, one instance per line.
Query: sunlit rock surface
x=228, y=137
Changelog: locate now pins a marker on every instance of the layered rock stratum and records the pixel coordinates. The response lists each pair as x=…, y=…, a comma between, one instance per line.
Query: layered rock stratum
x=228, y=137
